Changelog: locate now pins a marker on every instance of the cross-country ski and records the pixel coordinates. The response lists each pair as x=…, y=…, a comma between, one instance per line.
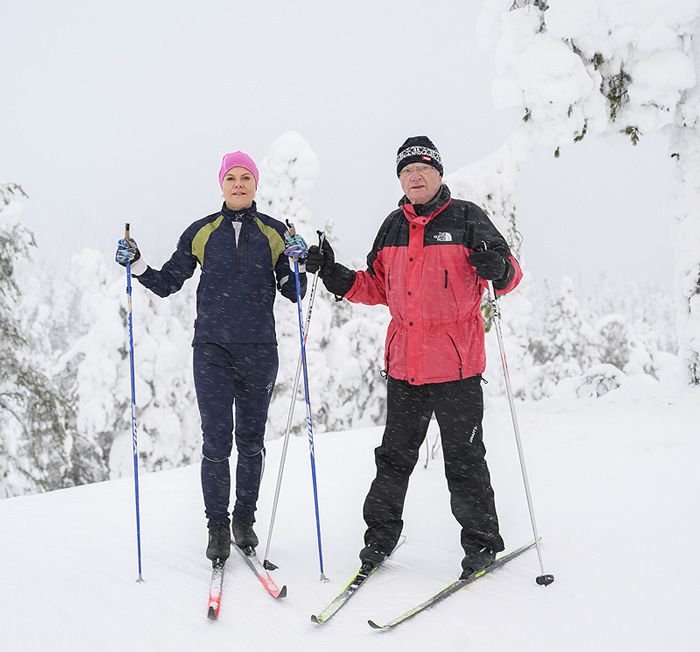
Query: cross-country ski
x=450, y=589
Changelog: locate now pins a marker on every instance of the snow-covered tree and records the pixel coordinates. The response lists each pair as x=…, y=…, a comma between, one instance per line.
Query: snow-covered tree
x=287, y=174
x=582, y=67
x=345, y=343
x=565, y=347
x=613, y=335
x=94, y=368
x=39, y=446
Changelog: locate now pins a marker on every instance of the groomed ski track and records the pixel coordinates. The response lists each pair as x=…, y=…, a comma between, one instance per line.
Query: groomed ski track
x=614, y=483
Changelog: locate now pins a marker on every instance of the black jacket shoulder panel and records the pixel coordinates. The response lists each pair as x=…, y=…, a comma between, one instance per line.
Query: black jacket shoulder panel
x=480, y=230
x=392, y=233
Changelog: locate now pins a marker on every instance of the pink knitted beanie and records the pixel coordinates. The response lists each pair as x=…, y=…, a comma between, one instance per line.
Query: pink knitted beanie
x=236, y=160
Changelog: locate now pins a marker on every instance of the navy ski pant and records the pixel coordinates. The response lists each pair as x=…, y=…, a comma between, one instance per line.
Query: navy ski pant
x=458, y=407
x=226, y=375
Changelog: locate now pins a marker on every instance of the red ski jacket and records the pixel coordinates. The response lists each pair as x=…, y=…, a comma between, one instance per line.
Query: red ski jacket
x=419, y=267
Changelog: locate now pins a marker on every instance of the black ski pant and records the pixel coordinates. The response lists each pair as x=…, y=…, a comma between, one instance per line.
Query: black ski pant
x=224, y=375
x=458, y=407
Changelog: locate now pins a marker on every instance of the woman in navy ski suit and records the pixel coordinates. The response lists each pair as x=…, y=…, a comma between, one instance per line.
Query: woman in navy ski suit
x=244, y=258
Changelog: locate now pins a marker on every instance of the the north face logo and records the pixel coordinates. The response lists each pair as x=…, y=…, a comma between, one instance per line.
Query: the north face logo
x=443, y=236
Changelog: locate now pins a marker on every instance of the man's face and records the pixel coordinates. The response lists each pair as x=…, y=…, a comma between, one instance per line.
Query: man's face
x=239, y=188
x=420, y=182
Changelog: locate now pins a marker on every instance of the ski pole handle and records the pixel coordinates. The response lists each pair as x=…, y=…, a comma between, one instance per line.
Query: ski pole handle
x=127, y=231
x=492, y=298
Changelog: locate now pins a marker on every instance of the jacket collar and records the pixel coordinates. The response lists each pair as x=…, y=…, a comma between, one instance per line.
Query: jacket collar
x=245, y=214
x=425, y=212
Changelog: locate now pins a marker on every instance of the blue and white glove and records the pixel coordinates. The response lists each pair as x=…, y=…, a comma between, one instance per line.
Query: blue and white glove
x=127, y=252
x=296, y=247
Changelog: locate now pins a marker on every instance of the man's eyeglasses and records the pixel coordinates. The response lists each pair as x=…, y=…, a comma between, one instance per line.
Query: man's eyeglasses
x=416, y=169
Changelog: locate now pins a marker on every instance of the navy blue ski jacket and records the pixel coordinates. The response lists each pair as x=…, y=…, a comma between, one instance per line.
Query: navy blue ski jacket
x=238, y=282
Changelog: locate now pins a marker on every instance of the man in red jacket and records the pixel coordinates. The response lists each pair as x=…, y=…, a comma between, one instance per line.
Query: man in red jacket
x=430, y=264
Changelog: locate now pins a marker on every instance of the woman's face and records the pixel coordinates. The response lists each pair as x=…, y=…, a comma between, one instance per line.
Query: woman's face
x=239, y=188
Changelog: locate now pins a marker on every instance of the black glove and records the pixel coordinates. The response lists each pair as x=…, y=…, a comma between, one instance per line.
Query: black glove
x=321, y=260
x=337, y=278
x=489, y=264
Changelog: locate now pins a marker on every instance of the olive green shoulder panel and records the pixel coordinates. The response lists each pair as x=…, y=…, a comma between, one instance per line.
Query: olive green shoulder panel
x=199, y=242
x=274, y=238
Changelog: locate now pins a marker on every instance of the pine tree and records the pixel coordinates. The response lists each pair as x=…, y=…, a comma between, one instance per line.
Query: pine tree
x=613, y=336
x=36, y=440
x=566, y=345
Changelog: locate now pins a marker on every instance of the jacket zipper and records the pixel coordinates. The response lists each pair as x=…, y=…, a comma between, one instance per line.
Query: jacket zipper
x=458, y=356
x=445, y=279
x=237, y=243
x=388, y=352
x=388, y=279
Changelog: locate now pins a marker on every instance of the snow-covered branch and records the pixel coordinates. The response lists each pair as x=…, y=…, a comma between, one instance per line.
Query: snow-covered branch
x=10, y=192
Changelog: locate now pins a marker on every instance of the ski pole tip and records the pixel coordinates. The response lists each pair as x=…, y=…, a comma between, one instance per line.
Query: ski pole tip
x=268, y=565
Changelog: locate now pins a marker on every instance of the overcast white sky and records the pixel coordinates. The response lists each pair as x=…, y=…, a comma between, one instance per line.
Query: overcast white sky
x=114, y=112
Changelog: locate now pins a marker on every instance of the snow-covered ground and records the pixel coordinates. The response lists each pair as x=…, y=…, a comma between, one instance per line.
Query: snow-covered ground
x=615, y=485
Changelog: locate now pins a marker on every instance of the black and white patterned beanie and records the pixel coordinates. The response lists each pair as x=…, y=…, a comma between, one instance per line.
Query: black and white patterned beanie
x=418, y=149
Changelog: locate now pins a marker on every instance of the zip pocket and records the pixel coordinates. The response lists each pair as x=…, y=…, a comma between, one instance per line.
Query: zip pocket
x=458, y=356
x=446, y=279
x=388, y=280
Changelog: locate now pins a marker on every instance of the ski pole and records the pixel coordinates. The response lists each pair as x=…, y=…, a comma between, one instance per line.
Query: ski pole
x=543, y=579
x=134, y=444
x=290, y=416
x=312, y=453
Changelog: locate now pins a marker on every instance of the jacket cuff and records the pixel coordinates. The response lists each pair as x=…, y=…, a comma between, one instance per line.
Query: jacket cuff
x=138, y=267
x=502, y=283
x=339, y=280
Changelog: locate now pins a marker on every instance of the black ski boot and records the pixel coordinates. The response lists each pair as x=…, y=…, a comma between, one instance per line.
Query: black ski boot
x=371, y=556
x=476, y=561
x=243, y=534
x=219, y=546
